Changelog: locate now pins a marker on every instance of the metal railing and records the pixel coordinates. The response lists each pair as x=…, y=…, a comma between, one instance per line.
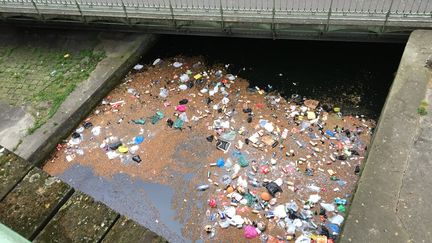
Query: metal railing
x=266, y=11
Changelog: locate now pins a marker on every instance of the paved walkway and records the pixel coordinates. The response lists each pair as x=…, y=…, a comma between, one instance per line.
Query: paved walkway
x=50, y=79
x=41, y=208
x=393, y=199
x=38, y=69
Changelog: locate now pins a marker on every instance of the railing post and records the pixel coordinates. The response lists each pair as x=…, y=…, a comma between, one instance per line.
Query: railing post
x=328, y=16
x=387, y=17
x=172, y=14
x=222, y=17
x=2, y=14
x=125, y=12
x=273, y=20
x=37, y=10
x=79, y=9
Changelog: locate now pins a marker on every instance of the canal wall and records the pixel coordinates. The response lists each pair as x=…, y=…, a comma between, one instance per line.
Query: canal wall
x=123, y=51
x=392, y=201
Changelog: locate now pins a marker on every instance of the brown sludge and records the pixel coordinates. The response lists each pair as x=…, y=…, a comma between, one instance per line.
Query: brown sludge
x=307, y=152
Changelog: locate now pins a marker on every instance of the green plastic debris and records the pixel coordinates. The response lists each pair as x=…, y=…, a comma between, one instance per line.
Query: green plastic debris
x=229, y=136
x=341, y=208
x=157, y=117
x=242, y=161
x=250, y=199
x=139, y=121
x=178, y=124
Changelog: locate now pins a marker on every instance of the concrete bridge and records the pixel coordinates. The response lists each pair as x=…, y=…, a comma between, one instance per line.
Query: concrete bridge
x=364, y=20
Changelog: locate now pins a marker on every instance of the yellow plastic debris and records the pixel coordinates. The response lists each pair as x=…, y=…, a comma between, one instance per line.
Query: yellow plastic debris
x=123, y=149
x=311, y=115
x=321, y=239
x=331, y=172
x=198, y=76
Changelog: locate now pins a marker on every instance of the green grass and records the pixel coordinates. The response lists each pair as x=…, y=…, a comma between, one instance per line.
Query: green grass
x=40, y=78
x=65, y=76
x=16, y=146
x=422, y=109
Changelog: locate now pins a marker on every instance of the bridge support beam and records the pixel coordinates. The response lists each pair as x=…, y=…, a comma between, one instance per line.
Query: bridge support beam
x=328, y=17
x=37, y=10
x=125, y=12
x=273, y=28
x=172, y=15
x=387, y=17
x=222, y=17
x=80, y=11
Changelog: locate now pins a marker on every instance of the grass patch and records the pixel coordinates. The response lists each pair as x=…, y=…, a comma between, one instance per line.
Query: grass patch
x=65, y=75
x=422, y=109
x=16, y=146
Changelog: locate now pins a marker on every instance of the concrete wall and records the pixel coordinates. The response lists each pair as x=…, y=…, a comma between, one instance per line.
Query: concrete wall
x=392, y=201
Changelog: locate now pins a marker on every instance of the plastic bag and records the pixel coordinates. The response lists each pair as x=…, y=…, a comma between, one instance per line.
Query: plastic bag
x=273, y=188
x=157, y=117
x=250, y=232
x=178, y=124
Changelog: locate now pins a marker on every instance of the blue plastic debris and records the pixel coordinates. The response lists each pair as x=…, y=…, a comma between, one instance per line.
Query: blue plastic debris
x=138, y=139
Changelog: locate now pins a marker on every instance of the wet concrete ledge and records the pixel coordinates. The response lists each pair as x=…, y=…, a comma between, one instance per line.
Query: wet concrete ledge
x=123, y=50
x=41, y=208
x=383, y=210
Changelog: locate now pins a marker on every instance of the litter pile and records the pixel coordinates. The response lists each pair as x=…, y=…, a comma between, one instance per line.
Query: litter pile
x=275, y=169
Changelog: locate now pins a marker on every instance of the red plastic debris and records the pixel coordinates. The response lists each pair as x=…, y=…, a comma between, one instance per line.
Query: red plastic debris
x=212, y=203
x=265, y=169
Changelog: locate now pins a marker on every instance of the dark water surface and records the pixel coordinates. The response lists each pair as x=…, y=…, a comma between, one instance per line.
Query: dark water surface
x=147, y=203
x=350, y=75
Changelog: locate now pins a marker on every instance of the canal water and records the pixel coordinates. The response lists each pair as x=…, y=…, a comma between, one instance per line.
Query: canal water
x=354, y=76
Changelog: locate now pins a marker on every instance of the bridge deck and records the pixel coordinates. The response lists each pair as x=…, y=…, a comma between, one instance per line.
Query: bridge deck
x=251, y=18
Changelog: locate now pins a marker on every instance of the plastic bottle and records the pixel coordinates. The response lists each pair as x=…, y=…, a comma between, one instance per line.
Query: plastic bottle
x=228, y=163
x=202, y=187
x=242, y=161
x=220, y=162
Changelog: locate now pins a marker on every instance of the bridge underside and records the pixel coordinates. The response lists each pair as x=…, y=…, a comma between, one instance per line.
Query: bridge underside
x=314, y=30
x=359, y=20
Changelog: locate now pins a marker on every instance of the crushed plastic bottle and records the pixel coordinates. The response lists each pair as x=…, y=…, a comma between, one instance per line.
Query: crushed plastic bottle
x=178, y=124
x=337, y=219
x=202, y=187
x=157, y=117
x=96, y=131
x=184, y=78
x=242, y=161
x=228, y=136
x=177, y=64
x=163, y=93
x=138, y=67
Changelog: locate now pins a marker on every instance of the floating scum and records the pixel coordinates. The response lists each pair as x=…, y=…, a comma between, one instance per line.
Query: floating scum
x=265, y=167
